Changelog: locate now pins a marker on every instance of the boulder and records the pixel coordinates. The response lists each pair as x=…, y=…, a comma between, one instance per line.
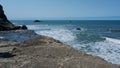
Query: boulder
x=5, y=24
x=24, y=27
x=78, y=29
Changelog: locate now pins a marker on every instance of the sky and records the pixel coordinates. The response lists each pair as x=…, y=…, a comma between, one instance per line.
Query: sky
x=61, y=9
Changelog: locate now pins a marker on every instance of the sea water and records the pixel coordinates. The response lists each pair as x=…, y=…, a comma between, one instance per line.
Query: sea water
x=94, y=37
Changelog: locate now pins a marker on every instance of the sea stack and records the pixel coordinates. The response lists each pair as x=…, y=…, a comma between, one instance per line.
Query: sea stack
x=5, y=24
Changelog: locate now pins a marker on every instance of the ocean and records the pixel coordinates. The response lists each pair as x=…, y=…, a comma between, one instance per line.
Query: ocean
x=96, y=37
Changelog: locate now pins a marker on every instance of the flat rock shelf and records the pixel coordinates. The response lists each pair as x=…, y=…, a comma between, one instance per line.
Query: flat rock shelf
x=46, y=52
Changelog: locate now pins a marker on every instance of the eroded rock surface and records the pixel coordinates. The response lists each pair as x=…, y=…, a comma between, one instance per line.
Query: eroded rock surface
x=45, y=52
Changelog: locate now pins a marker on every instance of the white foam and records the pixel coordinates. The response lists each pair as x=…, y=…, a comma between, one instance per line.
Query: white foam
x=1, y=37
x=108, y=49
x=113, y=40
x=63, y=35
x=57, y=32
x=105, y=49
x=36, y=27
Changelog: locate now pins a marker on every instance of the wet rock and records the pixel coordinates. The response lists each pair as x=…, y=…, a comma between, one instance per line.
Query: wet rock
x=6, y=55
x=24, y=27
x=78, y=29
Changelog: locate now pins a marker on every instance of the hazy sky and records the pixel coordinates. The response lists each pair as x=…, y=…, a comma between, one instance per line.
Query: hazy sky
x=32, y=9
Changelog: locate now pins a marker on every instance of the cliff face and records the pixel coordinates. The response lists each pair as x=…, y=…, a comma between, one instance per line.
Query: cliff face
x=5, y=24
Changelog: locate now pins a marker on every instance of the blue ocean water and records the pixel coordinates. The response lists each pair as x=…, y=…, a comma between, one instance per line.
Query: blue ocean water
x=97, y=37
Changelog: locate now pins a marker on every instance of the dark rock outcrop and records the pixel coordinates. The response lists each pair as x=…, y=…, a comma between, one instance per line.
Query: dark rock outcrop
x=37, y=21
x=24, y=27
x=5, y=24
x=78, y=29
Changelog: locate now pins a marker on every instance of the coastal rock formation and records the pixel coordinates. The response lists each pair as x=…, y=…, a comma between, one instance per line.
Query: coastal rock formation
x=45, y=52
x=5, y=24
x=37, y=21
x=78, y=29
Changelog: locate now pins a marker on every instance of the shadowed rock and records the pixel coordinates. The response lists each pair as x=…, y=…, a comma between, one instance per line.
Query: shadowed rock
x=6, y=55
x=5, y=24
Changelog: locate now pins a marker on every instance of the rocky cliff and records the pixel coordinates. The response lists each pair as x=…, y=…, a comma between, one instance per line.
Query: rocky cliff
x=5, y=24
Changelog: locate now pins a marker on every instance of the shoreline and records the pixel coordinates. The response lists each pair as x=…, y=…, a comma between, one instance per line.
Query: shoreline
x=43, y=52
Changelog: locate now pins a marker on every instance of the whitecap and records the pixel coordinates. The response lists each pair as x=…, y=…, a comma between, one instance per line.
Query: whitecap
x=113, y=40
x=63, y=35
x=107, y=50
